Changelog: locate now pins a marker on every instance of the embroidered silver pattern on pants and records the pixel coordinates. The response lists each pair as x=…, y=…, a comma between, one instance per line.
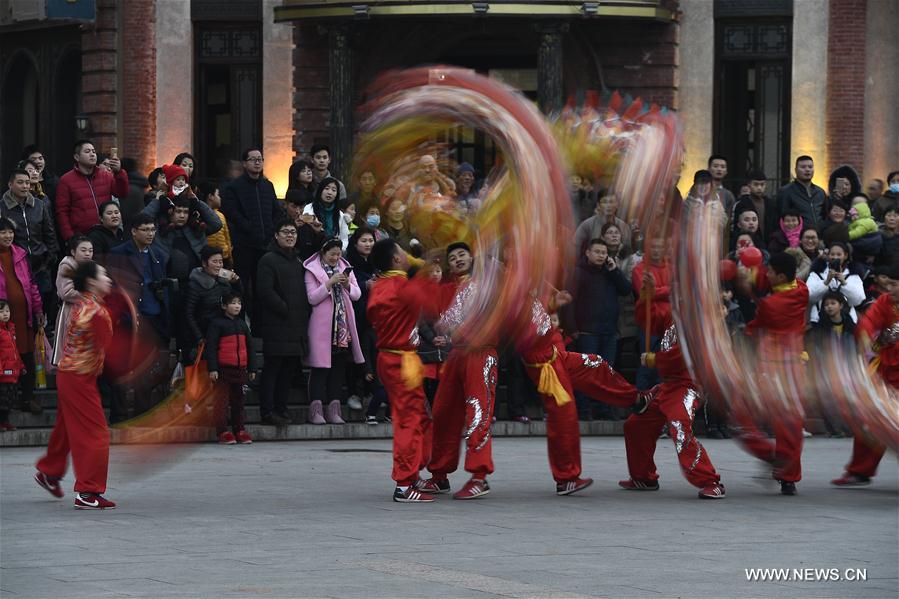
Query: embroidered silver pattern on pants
x=591, y=360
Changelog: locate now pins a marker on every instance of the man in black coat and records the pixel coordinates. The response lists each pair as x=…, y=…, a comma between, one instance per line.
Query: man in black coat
x=284, y=305
x=251, y=208
x=764, y=206
x=803, y=196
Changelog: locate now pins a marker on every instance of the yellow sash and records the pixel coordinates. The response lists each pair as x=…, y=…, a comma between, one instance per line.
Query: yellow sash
x=549, y=383
x=411, y=369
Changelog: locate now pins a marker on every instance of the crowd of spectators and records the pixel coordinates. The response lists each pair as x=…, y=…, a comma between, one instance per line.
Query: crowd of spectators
x=209, y=265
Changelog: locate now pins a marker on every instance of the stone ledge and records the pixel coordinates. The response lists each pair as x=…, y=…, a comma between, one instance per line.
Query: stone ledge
x=37, y=437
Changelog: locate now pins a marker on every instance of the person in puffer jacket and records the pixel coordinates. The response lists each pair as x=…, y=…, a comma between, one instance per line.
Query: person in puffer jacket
x=231, y=363
x=11, y=366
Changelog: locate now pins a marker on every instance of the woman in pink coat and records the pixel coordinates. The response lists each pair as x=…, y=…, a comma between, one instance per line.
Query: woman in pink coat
x=332, y=329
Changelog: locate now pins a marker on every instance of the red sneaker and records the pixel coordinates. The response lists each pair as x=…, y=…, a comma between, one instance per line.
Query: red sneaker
x=851, y=480
x=473, y=489
x=227, y=438
x=243, y=437
x=51, y=483
x=712, y=491
x=7, y=426
x=639, y=485
x=573, y=486
x=92, y=501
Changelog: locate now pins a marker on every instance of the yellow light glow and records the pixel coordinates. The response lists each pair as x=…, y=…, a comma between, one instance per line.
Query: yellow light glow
x=277, y=165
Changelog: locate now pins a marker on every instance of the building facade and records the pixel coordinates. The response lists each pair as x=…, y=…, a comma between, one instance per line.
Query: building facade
x=760, y=81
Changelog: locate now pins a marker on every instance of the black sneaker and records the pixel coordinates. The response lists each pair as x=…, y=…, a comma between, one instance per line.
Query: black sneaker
x=644, y=398
x=787, y=488
x=275, y=419
x=433, y=486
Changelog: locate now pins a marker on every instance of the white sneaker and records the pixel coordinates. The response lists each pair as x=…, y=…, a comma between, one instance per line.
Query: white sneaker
x=806, y=434
x=354, y=402
x=371, y=420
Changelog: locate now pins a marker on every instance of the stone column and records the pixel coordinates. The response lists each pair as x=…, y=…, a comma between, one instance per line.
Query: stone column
x=808, y=96
x=549, y=65
x=340, y=67
x=696, y=85
x=174, y=80
x=277, y=96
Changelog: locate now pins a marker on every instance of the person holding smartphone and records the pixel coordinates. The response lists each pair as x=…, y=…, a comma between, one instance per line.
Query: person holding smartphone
x=333, y=338
x=835, y=273
x=598, y=285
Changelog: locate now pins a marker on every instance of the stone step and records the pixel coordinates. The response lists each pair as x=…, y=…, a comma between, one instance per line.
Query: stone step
x=294, y=432
x=311, y=432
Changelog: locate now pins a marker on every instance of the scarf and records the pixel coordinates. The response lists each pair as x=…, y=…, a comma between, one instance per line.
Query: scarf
x=340, y=329
x=794, y=235
x=328, y=220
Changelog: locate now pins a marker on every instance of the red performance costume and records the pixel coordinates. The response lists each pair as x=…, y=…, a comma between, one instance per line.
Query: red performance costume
x=779, y=325
x=879, y=322
x=557, y=373
x=675, y=403
x=80, y=422
x=464, y=398
x=394, y=307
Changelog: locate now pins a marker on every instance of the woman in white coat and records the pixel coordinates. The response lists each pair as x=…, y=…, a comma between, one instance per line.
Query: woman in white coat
x=835, y=273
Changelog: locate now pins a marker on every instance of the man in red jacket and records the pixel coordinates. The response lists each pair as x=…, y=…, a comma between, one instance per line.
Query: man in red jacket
x=879, y=324
x=778, y=326
x=83, y=189
x=394, y=307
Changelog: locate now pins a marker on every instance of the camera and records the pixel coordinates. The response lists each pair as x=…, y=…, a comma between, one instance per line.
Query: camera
x=159, y=287
x=835, y=265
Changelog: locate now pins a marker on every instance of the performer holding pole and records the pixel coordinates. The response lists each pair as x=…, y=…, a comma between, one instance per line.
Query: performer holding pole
x=878, y=329
x=779, y=325
x=80, y=422
x=394, y=308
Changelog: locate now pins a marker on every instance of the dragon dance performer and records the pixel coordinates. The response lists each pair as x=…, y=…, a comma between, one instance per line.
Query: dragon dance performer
x=779, y=325
x=557, y=373
x=466, y=393
x=881, y=323
x=80, y=422
x=674, y=404
x=394, y=308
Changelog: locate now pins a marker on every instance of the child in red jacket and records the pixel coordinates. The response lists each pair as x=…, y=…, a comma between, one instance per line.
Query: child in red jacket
x=11, y=366
x=231, y=363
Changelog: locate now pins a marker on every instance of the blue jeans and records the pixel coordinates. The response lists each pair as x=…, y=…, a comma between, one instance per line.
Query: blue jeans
x=647, y=378
x=605, y=346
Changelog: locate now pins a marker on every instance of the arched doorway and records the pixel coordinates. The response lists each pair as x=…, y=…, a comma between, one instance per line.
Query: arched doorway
x=66, y=104
x=19, y=100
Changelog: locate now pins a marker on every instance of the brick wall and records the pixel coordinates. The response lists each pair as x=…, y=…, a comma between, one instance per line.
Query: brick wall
x=99, y=47
x=138, y=80
x=636, y=57
x=845, y=136
x=311, y=99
